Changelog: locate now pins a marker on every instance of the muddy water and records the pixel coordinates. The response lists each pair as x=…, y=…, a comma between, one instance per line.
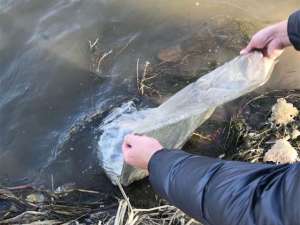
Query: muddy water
x=47, y=87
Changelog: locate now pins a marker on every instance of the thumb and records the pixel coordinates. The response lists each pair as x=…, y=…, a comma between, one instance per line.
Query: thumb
x=248, y=49
x=274, y=50
x=127, y=145
x=128, y=139
x=244, y=51
x=131, y=140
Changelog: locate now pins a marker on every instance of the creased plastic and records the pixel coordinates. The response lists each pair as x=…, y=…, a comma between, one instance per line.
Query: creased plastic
x=173, y=122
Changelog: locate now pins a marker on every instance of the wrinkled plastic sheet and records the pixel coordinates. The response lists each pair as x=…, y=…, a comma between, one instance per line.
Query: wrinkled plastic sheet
x=173, y=122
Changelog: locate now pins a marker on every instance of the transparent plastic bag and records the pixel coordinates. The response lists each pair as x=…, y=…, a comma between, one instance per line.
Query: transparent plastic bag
x=173, y=122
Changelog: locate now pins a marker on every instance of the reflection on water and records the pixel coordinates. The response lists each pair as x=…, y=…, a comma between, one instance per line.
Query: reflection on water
x=46, y=86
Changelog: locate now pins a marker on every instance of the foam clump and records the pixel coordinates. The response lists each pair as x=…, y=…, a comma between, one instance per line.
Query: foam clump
x=295, y=134
x=283, y=112
x=281, y=152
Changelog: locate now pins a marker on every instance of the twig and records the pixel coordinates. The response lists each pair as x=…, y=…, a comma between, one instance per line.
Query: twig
x=20, y=187
x=207, y=138
x=165, y=214
x=123, y=204
x=101, y=59
x=124, y=194
x=137, y=73
x=21, y=216
x=92, y=45
x=52, y=183
x=154, y=209
x=141, y=82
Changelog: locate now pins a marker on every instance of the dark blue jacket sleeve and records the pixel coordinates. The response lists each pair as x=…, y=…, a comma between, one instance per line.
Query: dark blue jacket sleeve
x=218, y=192
x=294, y=29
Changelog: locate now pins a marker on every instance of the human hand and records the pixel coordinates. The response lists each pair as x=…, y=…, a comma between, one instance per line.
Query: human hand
x=138, y=150
x=271, y=40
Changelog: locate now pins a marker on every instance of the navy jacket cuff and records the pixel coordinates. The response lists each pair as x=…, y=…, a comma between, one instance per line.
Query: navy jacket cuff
x=294, y=29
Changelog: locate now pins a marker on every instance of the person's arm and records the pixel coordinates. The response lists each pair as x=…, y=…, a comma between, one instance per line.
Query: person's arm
x=273, y=39
x=218, y=192
x=294, y=29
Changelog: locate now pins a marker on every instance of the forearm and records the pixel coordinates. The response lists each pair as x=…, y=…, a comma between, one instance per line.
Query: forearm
x=224, y=192
x=294, y=29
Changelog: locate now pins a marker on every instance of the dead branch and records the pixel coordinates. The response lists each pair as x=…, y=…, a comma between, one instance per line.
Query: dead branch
x=142, y=84
x=101, y=60
x=93, y=44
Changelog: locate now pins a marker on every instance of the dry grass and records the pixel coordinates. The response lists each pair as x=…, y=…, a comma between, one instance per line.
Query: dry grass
x=26, y=205
x=161, y=215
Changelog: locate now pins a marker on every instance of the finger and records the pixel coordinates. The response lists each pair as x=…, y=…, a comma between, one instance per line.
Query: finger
x=243, y=51
x=276, y=53
x=127, y=142
x=126, y=152
x=132, y=138
x=125, y=147
x=248, y=49
x=128, y=138
x=274, y=50
x=256, y=43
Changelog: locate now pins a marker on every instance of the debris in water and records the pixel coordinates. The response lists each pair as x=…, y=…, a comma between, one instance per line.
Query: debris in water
x=281, y=152
x=143, y=83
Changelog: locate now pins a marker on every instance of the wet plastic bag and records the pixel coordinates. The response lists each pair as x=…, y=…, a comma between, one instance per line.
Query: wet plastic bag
x=173, y=122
